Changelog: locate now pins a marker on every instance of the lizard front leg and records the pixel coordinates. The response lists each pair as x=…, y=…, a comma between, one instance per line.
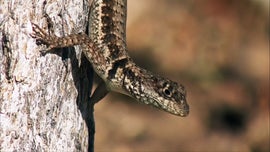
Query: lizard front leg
x=52, y=41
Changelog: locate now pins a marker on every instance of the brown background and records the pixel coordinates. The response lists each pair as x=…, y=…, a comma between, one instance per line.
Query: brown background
x=219, y=50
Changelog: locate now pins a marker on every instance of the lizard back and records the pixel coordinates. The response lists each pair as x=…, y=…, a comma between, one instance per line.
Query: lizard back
x=107, y=28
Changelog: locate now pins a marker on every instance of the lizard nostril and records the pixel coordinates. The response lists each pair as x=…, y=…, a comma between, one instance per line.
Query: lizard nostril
x=184, y=105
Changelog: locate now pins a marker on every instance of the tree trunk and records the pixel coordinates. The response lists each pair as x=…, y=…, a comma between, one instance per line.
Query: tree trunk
x=43, y=97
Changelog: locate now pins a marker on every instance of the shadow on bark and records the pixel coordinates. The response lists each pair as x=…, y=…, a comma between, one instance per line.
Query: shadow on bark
x=83, y=79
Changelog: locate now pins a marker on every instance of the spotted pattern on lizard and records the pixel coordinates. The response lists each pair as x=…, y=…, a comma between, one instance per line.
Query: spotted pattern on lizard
x=105, y=48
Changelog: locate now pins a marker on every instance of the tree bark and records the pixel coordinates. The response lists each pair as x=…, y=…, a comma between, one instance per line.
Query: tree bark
x=44, y=98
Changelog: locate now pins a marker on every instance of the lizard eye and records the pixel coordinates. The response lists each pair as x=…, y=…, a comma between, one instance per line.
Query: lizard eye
x=167, y=92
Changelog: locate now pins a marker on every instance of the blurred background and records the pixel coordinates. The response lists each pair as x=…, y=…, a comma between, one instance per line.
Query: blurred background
x=219, y=50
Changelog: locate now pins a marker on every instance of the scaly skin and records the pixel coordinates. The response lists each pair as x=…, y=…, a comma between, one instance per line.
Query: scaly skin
x=106, y=49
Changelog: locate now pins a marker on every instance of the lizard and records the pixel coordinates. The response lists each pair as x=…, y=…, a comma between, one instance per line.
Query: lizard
x=105, y=48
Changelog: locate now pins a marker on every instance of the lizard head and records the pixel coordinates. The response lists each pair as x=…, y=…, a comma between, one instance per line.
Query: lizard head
x=157, y=91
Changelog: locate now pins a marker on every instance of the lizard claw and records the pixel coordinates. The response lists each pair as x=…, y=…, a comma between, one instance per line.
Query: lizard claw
x=42, y=37
x=39, y=35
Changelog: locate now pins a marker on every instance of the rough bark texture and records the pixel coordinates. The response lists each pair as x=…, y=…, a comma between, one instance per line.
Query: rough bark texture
x=43, y=97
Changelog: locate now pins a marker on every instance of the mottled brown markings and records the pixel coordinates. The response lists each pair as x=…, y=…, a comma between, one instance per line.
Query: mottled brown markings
x=117, y=64
x=115, y=50
x=131, y=83
x=109, y=25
